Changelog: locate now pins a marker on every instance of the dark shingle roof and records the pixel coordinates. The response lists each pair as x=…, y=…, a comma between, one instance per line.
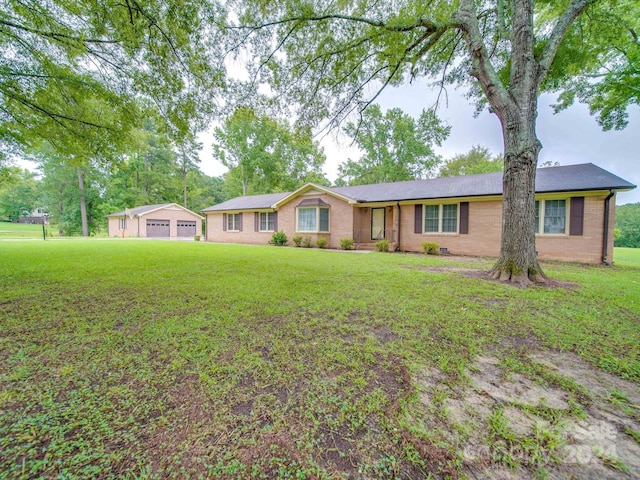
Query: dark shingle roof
x=313, y=202
x=569, y=178
x=586, y=176
x=139, y=210
x=248, y=202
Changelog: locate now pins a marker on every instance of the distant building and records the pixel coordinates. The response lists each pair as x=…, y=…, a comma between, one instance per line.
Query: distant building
x=167, y=220
x=36, y=217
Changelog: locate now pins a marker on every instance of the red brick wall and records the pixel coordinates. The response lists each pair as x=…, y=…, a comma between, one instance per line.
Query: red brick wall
x=483, y=239
x=485, y=225
x=341, y=216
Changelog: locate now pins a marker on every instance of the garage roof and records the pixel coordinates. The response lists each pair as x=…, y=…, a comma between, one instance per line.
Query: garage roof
x=144, y=209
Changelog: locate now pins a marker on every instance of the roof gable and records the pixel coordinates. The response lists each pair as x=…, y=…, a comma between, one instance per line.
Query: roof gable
x=145, y=209
x=312, y=188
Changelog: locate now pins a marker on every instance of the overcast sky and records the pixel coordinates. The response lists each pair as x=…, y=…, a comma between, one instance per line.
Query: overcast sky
x=569, y=137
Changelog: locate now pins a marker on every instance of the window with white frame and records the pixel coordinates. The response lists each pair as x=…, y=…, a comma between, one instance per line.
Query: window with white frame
x=441, y=218
x=267, y=221
x=551, y=217
x=123, y=223
x=312, y=219
x=233, y=222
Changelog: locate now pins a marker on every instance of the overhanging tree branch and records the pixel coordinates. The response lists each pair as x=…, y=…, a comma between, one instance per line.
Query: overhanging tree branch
x=483, y=70
x=54, y=35
x=421, y=23
x=575, y=8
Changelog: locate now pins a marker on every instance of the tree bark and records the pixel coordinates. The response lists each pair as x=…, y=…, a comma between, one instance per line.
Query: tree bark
x=518, y=262
x=516, y=107
x=83, y=204
x=184, y=187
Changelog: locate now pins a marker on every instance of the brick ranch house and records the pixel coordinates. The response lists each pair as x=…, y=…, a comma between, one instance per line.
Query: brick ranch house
x=167, y=220
x=575, y=210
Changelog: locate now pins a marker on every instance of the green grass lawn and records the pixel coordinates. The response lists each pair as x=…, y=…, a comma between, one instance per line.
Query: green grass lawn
x=24, y=230
x=156, y=359
x=627, y=257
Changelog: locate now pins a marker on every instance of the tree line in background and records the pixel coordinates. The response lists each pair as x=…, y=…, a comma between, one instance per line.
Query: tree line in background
x=627, y=230
x=262, y=154
x=77, y=198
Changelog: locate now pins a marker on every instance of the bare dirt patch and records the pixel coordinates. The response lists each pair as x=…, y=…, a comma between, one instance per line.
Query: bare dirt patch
x=193, y=407
x=442, y=268
x=384, y=334
x=509, y=425
x=482, y=274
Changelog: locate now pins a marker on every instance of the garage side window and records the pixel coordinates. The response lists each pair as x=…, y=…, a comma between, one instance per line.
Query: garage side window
x=123, y=223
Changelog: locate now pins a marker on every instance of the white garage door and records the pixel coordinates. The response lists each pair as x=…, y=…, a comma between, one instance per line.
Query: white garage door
x=186, y=229
x=158, y=228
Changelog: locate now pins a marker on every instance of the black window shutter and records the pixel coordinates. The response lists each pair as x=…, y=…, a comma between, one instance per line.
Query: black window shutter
x=275, y=221
x=417, y=228
x=239, y=226
x=224, y=222
x=256, y=222
x=576, y=221
x=464, y=217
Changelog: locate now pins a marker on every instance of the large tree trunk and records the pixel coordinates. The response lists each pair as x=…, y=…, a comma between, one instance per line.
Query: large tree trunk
x=516, y=107
x=83, y=204
x=184, y=181
x=60, y=208
x=184, y=188
x=518, y=260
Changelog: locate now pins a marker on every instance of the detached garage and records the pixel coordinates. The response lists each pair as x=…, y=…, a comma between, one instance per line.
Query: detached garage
x=167, y=220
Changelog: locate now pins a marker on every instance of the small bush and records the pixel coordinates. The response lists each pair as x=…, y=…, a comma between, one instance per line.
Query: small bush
x=430, y=248
x=306, y=242
x=321, y=242
x=297, y=240
x=347, y=244
x=382, y=245
x=279, y=239
x=196, y=238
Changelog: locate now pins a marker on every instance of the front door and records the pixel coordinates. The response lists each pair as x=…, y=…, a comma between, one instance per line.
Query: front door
x=377, y=223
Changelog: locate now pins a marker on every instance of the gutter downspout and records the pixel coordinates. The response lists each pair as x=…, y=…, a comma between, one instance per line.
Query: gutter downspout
x=605, y=239
x=398, y=249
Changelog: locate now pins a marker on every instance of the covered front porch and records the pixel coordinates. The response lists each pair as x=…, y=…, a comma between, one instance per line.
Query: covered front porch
x=374, y=223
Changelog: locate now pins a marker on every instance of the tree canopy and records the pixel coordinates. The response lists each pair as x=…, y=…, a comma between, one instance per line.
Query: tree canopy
x=395, y=146
x=264, y=155
x=70, y=69
x=628, y=225
x=18, y=197
x=477, y=160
